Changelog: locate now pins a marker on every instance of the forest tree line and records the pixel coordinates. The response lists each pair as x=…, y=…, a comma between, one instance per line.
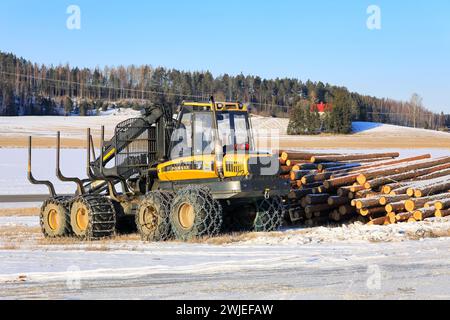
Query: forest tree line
x=27, y=88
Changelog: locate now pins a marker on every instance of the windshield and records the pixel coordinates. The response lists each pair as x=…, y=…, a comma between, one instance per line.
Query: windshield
x=194, y=134
x=234, y=131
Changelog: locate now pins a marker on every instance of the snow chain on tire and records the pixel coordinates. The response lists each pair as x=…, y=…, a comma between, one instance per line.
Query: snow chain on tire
x=269, y=215
x=207, y=220
x=101, y=217
x=159, y=228
x=62, y=206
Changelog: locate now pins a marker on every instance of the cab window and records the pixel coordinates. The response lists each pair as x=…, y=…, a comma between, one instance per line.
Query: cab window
x=182, y=137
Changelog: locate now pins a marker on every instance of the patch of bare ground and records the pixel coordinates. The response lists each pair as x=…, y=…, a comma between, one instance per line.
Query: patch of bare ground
x=40, y=142
x=19, y=212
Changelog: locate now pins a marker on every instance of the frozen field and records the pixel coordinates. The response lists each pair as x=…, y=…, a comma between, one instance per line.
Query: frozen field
x=355, y=262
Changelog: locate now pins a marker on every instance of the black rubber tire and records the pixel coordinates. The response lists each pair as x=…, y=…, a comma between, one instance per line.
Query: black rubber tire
x=159, y=229
x=61, y=206
x=101, y=217
x=269, y=215
x=207, y=221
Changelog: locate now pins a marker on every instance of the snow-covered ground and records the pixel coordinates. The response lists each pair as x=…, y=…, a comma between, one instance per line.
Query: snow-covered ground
x=393, y=270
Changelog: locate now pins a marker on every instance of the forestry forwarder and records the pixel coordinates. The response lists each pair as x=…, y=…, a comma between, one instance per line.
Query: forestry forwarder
x=191, y=177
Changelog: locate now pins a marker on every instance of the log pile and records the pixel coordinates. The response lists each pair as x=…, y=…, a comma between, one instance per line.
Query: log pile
x=378, y=188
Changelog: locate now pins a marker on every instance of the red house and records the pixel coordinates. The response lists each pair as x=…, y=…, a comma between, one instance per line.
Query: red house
x=322, y=107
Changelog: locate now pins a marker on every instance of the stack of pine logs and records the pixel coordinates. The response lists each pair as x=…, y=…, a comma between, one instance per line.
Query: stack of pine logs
x=374, y=188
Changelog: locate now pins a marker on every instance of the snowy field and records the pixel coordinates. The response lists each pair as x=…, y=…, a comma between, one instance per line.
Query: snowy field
x=318, y=263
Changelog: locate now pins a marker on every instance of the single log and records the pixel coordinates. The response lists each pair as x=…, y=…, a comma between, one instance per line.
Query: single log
x=317, y=198
x=433, y=189
x=321, y=214
x=413, y=204
x=372, y=211
x=338, y=201
x=364, y=177
x=399, y=191
x=384, y=200
x=392, y=217
x=299, y=174
x=296, y=163
x=378, y=221
x=387, y=189
x=375, y=183
x=367, y=203
x=318, y=207
x=402, y=217
x=319, y=177
x=424, y=213
x=295, y=155
x=357, y=188
x=316, y=159
x=285, y=170
x=341, y=167
x=303, y=202
x=334, y=215
x=299, y=194
x=343, y=191
x=388, y=163
x=341, y=181
x=365, y=194
x=311, y=185
x=443, y=204
x=347, y=210
x=395, y=207
x=442, y=213
x=306, y=166
x=411, y=220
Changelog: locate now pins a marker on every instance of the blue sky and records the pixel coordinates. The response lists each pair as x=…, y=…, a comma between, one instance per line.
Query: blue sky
x=319, y=40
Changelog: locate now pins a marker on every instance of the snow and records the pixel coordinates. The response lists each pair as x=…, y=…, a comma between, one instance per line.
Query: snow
x=243, y=271
x=14, y=221
x=375, y=128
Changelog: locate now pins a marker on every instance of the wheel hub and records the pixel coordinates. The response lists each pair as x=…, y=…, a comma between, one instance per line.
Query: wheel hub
x=186, y=215
x=53, y=219
x=82, y=219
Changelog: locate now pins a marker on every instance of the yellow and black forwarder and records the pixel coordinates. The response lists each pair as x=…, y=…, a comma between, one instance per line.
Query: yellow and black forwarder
x=195, y=176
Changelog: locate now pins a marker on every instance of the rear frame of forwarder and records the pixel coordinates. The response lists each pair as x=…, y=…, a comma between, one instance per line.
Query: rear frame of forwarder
x=192, y=177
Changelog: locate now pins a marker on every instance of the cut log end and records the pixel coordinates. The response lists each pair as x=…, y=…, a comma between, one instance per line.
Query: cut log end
x=410, y=205
x=361, y=179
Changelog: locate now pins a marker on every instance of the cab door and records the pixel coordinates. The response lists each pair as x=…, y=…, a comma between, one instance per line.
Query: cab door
x=191, y=151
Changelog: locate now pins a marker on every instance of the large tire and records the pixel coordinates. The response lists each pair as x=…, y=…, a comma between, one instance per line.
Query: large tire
x=269, y=215
x=153, y=217
x=55, y=217
x=93, y=217
x=195, y=214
